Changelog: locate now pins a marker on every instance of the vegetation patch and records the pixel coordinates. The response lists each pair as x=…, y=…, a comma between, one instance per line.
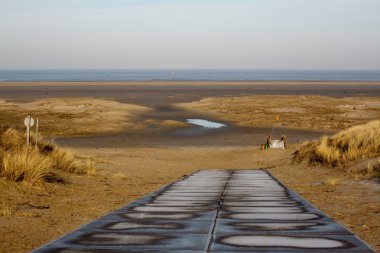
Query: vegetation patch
x=36, y=164
x=356, y=149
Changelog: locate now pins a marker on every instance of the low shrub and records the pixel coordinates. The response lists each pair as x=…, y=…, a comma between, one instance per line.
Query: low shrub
x=345, y=148
x=25, y=164
x=36, y=165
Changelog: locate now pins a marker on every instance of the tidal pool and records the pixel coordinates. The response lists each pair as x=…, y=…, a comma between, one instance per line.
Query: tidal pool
x=205, y=123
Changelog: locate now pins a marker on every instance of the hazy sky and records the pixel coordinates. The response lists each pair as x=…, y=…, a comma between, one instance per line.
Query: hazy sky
x=200, y=34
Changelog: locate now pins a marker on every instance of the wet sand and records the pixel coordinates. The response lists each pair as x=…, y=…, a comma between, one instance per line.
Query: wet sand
x=231, y=136
x=161, y=93
x=157, y=136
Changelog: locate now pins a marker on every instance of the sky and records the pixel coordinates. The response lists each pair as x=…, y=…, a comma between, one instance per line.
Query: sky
x=190, y=34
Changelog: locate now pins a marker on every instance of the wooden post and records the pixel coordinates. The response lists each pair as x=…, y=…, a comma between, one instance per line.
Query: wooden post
x=37, y=134
x=28, y=130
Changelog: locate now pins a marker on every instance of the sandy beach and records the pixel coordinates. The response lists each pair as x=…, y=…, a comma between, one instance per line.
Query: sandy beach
x=139, y=140
x=105, y=102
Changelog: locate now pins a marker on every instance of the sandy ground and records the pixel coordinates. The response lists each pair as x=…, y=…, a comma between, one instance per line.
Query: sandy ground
x=41, y=215
x=150, y=146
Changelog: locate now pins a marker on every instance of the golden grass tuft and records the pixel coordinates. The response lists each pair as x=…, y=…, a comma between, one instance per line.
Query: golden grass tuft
x=10, y=139
x=36, y=165
x=345, y=148
x=25, y=164
x=5, y=210
x=372, y=169
x=120, y=175
x=90, y=168
x=64, y=160
x=332, y=181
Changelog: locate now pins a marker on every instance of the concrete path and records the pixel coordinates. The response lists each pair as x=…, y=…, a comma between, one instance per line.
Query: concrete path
x=214, y=211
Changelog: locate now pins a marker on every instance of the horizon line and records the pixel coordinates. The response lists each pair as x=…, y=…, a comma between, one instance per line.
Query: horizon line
x=181, y=69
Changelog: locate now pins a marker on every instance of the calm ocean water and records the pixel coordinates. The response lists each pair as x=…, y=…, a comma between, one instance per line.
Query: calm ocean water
x=185, y=75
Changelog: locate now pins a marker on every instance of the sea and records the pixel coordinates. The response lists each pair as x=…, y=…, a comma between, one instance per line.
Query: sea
x=115, y=75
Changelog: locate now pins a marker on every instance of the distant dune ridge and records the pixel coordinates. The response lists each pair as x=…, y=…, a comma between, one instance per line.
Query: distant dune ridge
x=313, y=112
x=73, y=116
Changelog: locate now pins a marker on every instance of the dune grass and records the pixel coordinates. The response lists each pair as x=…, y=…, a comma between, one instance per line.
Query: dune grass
x=10, y=138
x=5, y=210
x=353, y=145
x=36, y=165
x=25, y=164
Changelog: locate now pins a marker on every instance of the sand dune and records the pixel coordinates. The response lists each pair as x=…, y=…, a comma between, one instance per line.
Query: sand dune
x=316, y=112
x=74, y=116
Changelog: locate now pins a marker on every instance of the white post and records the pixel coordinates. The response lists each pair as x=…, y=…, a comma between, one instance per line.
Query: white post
x=28, y=130
x=37, y=134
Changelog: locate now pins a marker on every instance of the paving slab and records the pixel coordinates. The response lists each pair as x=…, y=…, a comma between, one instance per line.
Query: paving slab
x=214, y=211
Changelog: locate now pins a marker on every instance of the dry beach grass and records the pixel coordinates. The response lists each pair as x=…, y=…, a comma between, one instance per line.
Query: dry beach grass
x=356, y=149
x=35, y=165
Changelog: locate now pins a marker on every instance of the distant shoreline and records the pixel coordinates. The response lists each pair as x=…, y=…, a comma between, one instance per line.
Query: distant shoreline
x=188, y=75
x=184, y=83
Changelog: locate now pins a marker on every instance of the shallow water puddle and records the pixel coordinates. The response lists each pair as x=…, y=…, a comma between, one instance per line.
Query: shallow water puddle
x=114, y=238
x=143, y=215
x=278, y=226
x=282, y=241
x=135, y=225
x=274, y=216
x=205, y=123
